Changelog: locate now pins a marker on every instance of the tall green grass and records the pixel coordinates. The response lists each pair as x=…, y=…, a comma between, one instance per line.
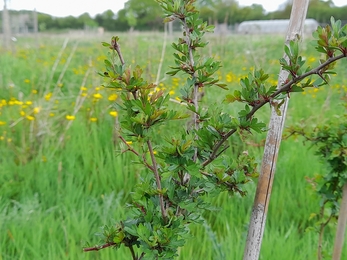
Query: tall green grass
x=61, y=180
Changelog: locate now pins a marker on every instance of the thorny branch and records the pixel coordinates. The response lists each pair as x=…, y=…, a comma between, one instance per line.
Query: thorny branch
x=283, y=89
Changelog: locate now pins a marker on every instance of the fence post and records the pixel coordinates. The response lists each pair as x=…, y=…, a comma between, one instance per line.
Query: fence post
x=272, y=145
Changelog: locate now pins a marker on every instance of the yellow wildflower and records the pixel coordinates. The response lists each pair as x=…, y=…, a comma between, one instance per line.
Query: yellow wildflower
x=70, y=117
x=37, y=110
x=27, y=81
x=22, y=113
x=48, y=96
x=114, y=113
x=231, y=77
x=2, y=123
x=97, y=96
x=30, y=118
x=83, y=88
x=17, y=102
x=112, y=97
x=171, y=92
x=34, y=91
x=28, y=103
x=311, y=59
x=51, y=114
x=93, y=119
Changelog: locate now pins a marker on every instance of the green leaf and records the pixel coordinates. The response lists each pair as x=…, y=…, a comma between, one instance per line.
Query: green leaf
x=106, y=44
x=296, y=88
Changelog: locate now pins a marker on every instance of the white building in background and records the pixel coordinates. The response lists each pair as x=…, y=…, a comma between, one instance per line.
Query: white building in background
x=273, y=26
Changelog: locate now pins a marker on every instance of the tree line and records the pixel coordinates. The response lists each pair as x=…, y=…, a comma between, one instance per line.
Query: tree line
x=146, y=15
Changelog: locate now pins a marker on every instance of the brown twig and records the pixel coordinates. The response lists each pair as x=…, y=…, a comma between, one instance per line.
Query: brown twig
x=97, y=248
x=130, y=149
x=195, y=97
x=128, y=145
x=116, y=47
x=321, y=230
x=283, y=89
x=157, y=179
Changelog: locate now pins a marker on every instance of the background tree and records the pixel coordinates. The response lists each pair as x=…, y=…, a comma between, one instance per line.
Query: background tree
x=282, y=13
x=146, y=12
x=122, y=21
x=253, y=12
x=321, y=10
x=84, y=20
x=107, y=20
x=70, y=22
x=46, y=22
x=131, y=19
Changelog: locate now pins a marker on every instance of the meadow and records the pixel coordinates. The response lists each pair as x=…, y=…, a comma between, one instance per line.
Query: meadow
x=62, y=176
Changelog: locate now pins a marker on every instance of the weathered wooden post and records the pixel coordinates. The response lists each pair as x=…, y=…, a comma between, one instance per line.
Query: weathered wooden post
x=6, y=29
x=272, y=145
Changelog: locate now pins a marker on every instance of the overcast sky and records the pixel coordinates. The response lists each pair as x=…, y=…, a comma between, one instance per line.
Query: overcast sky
x=63, y=8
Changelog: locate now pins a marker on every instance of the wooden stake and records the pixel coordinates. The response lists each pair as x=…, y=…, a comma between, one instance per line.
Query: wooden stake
x=272, y=145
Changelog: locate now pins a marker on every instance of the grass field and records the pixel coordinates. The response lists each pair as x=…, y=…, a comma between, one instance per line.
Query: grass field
x=61, y=178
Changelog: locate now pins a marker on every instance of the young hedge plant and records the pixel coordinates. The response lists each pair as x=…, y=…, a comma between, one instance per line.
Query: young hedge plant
x=330, y=139
x=178, y=170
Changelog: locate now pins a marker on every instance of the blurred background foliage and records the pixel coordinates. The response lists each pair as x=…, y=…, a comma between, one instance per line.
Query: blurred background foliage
x=145, y=15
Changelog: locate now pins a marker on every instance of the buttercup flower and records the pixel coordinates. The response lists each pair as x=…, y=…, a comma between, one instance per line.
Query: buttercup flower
x=114, y=113
x=112, y=97
x=48, y=96
x=37, y=110
x=70, y=117
x=97, y=96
